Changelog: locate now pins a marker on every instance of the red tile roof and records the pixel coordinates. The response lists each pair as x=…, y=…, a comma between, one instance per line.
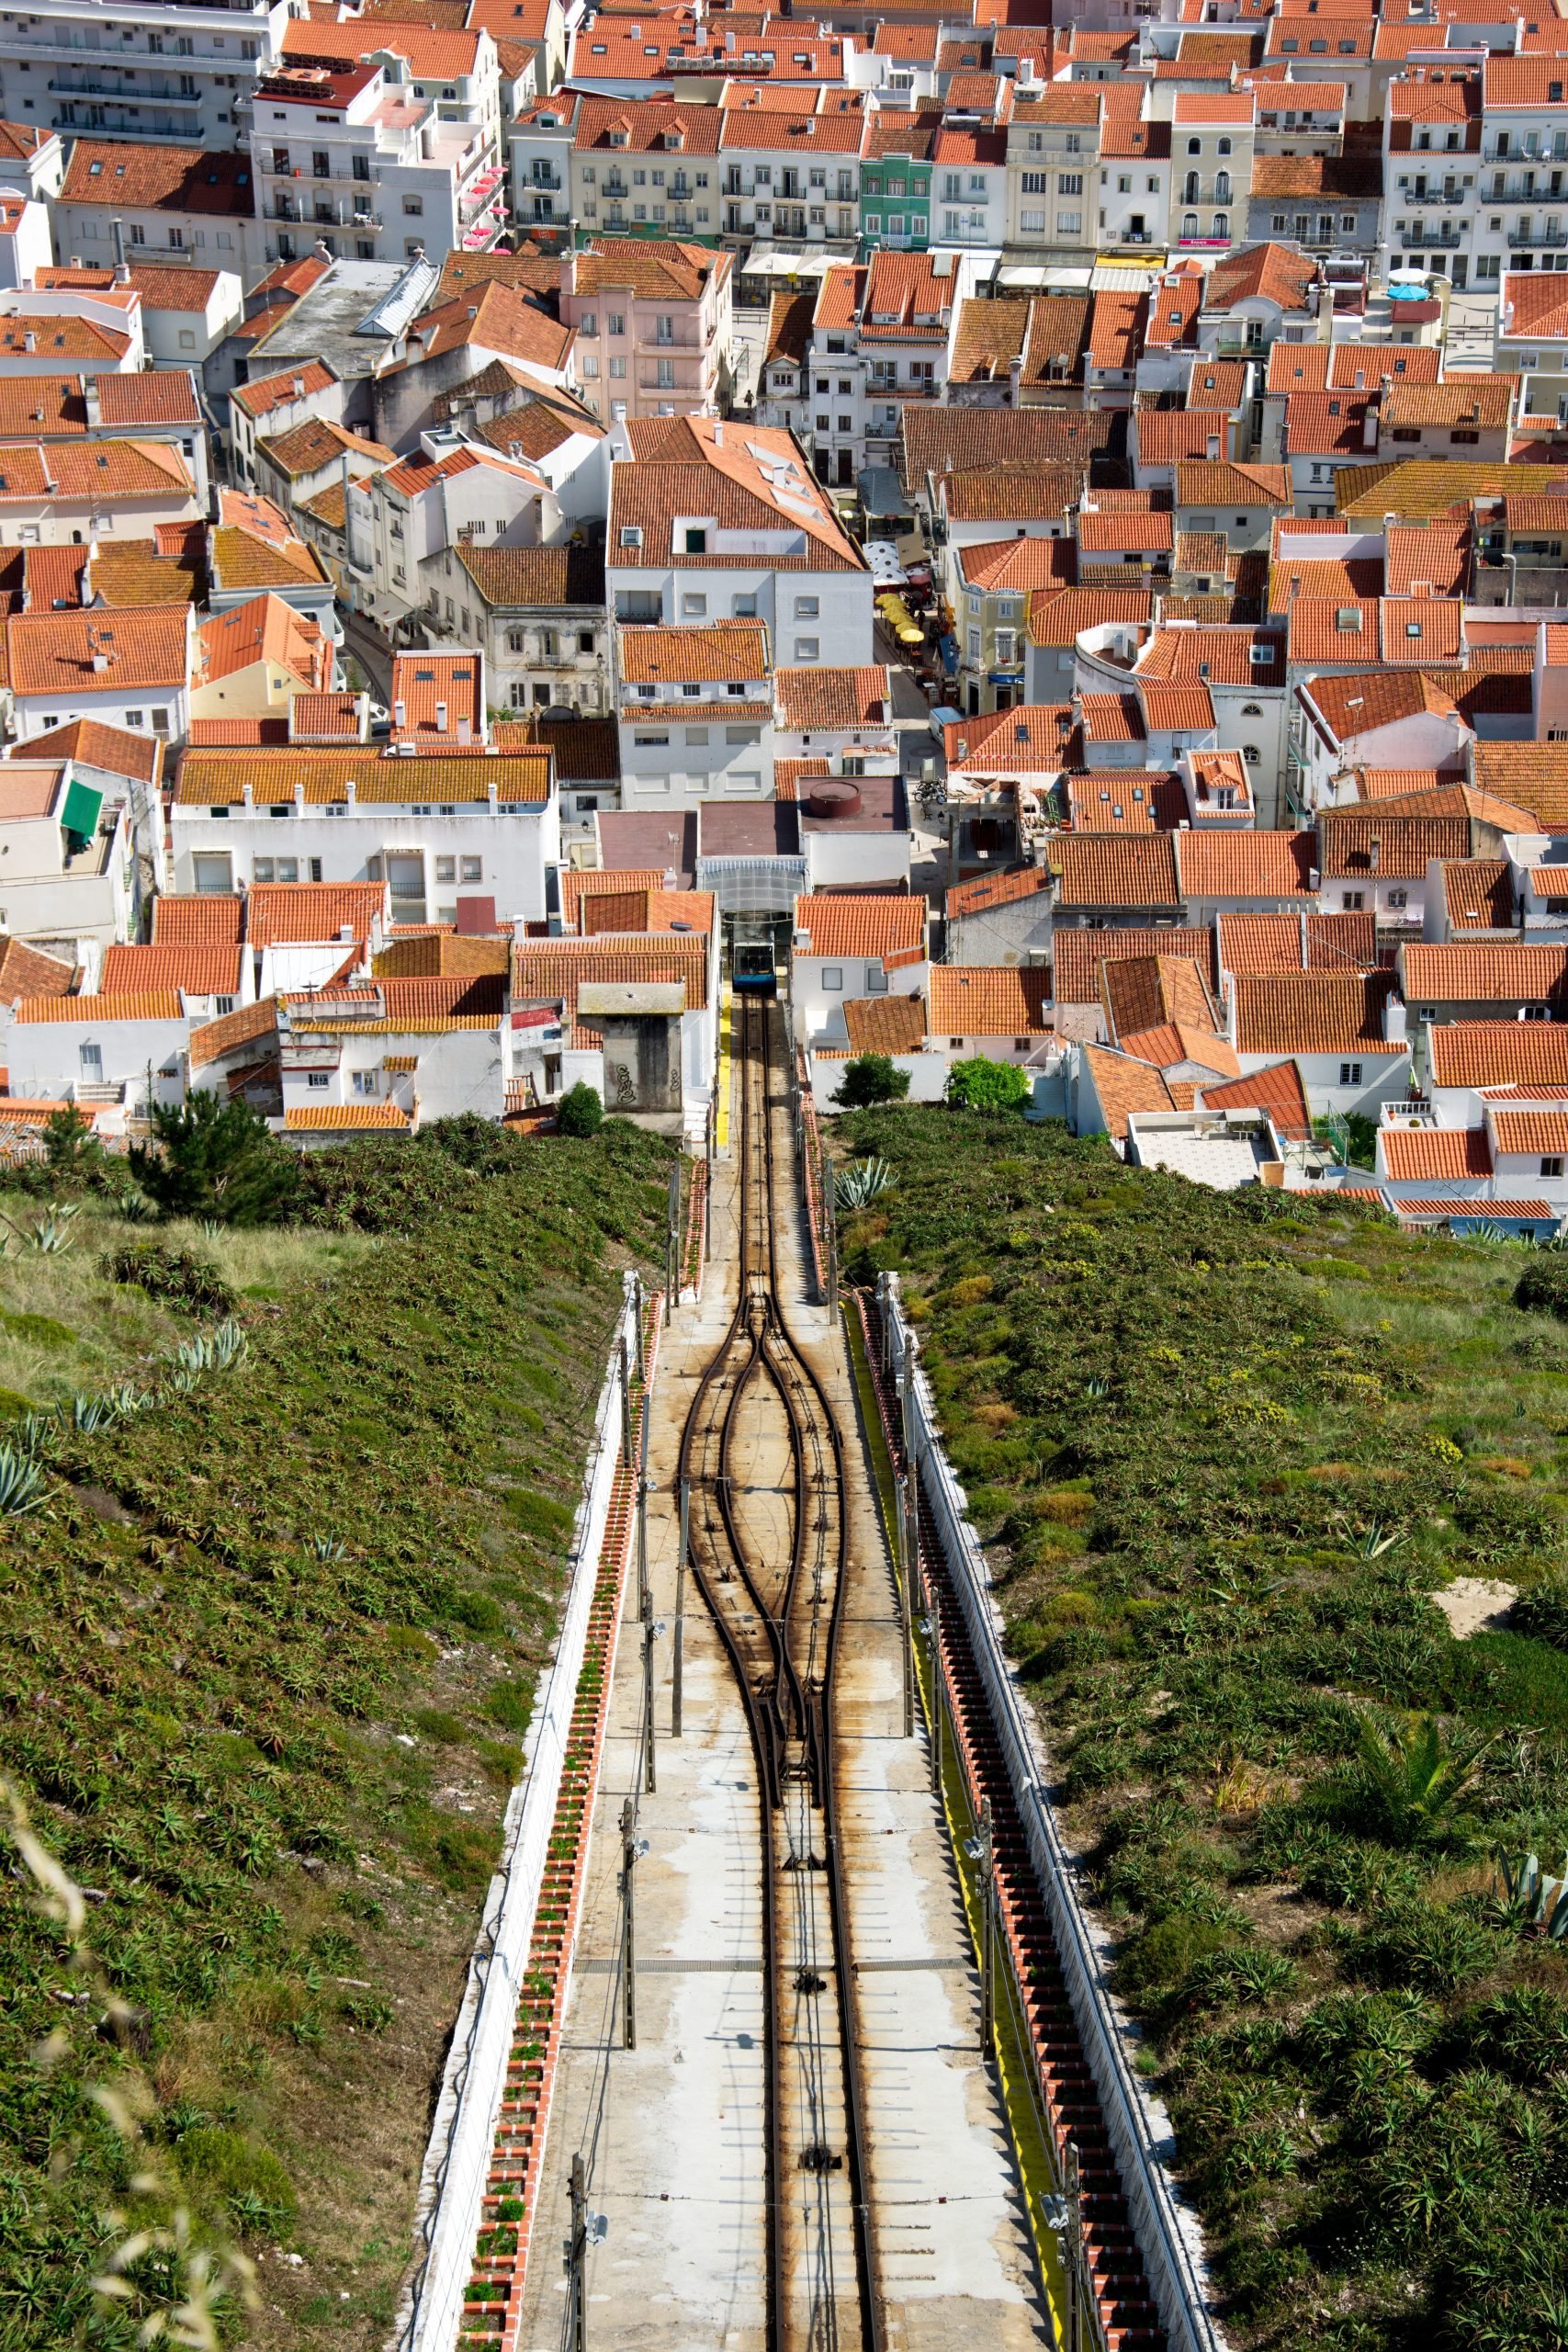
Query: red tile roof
x=1108, y=870
x=892, y=926
x=988, y=1000
x=1277, y=1090
x=1476, y=971
x=53, y=653
x=1431, y=1154
x=1076, y=956
x=1266, y=865
x=1312, y=1013
x=204, y=970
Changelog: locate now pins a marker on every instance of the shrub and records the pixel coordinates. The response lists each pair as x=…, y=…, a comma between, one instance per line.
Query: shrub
x=176, y=1276
x=981, y=1085
x=1544, y=1285
x=217, y=1159
x=582, y=1113
x=1543, y=1611
x=869, y=1080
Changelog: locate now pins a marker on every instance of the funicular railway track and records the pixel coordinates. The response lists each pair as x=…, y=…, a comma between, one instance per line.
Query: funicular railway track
x=770, y=1559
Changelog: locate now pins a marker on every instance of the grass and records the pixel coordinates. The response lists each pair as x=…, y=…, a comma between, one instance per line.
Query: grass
x=1223, y=1449
x=265, y=1661
x=65, y=1330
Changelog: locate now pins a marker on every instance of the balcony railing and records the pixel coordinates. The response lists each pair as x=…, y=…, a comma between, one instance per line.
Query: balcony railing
x=1536, y=240
x=1435, y=240
x=1430, y=196
x=90, y=85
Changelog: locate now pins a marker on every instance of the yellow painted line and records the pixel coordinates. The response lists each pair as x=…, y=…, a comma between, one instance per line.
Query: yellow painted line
x=725, y=1050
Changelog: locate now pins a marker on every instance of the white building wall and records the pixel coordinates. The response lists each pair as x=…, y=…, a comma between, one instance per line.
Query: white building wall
x=513, y=851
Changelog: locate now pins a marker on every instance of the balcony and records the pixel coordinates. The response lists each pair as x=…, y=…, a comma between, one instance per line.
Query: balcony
x=1422, y=240
x=1204, y=244
x=1202, y=191
x=1528, y=240
x=134, y=94
x=1421, y=194
x=543, y=182
x=1119, y=237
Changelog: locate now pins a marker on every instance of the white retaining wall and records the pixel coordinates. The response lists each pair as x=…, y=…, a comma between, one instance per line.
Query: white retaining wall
x=1141, y=2136
x=457, y=2159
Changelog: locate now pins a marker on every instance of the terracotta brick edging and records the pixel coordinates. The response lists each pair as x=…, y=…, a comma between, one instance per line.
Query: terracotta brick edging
x=489, y=2307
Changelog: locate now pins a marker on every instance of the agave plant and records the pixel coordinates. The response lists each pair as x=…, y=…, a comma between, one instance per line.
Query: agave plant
x=861, y=1183
x=1373, y=1542
x=87, y=1414
x=1537, y=1905
x=194, y=1355
x=327, y=1547
x=50, y=1231
x=35, y=1432
x=182, y=1380
x=22, y=1482
x=228, y=1344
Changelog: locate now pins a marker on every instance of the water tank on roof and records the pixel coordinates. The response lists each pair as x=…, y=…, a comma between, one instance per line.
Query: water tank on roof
x=832, y=797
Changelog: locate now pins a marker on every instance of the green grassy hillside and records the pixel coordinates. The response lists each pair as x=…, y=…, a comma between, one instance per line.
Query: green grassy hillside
x=1224, y=1451
x=265, y=1661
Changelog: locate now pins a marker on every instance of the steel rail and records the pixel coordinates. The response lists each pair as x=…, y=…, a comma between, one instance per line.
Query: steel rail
x=787, y=1692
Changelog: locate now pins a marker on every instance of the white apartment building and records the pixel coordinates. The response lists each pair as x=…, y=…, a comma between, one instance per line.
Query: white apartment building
x=361, y=158
x=137, y=69
x=91, y=331
x=432, y=827
x=696, y=714
x=969, y=183
x=788, y=177
x=1520, y=219
x=702, y=486
x=123, y=201
x=1135, y=183
x=129, y=666
x=66, y=871
x=71, y=493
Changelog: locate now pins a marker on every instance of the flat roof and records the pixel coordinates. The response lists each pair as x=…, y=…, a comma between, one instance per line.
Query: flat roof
x=661, y=842
x=666, y=997
x=324, y=323
x=881, y=806
x=750, y=829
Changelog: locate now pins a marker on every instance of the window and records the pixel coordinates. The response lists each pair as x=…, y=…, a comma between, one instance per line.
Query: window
x=590, y=366
x=518, y=696
x=316, y=1077
x=1069, y=224
x=160, y=720
x=876, y=980
x=213, y=872
x=1032, y=224
x=650, y=743
x=693, y=607
x=1399, y=899
x=743, y=606
x=1349, y=1073
x=471, y=869
x=365, y=1081
x=618, y=365
x=446, y=869
x=1251, y=754
x=1069, y=184
x=1551, y=1165
x=807, y=608
x=616, y=323
x=807, y=649
x=515, y=641
x=135, y=718
x=1353, y=901
x=588, y=323
x=832, y=980
x=696, y=735
x=1034, y=183
x=91, y=1057
x=414, y=205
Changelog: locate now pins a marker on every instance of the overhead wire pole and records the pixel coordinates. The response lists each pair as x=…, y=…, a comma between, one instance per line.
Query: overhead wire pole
x=629, y=1926
x=650, y=1775
x=577, y=2260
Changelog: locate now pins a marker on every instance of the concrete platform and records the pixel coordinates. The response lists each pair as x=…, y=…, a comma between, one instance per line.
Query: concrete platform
x=673, y=2129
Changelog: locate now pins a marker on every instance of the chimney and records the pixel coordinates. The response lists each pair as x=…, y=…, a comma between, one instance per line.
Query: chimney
x=90, y=395
x=1374, y=853
x=441, y=718
x=299, y=388
x=1213, y=444
x=399, y=713
x=1369, y=429
x=29, y=340
x=1300, y=917
x=118, y=229
x=465, y=730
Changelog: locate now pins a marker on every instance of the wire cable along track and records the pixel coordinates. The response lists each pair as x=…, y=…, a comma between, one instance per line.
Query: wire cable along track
x=771, y=1560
